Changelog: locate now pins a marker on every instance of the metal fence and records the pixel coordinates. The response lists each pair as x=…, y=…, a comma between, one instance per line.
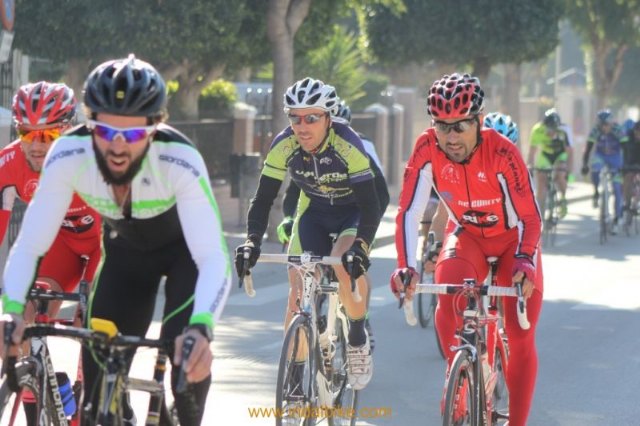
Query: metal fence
x=214, y=139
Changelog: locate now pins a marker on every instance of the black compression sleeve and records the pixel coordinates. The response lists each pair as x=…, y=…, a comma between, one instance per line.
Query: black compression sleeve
x=369, y=209
x=258, y=215
x=290, y=200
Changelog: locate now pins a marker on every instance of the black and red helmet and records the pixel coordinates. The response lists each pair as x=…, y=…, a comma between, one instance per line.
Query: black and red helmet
x=455, y=96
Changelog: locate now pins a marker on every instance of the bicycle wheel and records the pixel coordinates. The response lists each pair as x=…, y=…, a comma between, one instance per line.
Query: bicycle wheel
x=345, y=401
x=424, y=301
x=11, y=404
x=550, y=218
x=604, y=216
x=500, y=394
x=461, y=398
x=426, y=307
x=295, y=386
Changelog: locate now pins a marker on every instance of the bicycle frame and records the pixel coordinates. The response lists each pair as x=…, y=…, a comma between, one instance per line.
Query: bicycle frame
x=321, y=344
x=474, y=335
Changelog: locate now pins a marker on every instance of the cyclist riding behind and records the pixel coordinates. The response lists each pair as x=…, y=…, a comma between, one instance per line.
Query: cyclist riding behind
x=41, y=112
x=292, y=196
x=608, y=137
x=484, y=183
x=328, y=162
x=631, y=158
x=551, y=149
x=151, y=187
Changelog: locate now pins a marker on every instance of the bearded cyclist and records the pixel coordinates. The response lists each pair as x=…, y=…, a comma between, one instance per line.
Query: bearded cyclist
x=151, y=187
x=484, y=182
x=327, y=160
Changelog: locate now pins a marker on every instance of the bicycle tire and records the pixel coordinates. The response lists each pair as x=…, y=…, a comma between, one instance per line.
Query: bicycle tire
x=345, y=401
x=603, y=215
x=461, y=376
x=550, y=217
x=426, y=302
x=299, y=328
x=438, y=343
x=10, y=400
x=500, y=395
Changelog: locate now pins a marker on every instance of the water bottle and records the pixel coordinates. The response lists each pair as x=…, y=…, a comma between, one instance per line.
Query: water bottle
x=66, y=393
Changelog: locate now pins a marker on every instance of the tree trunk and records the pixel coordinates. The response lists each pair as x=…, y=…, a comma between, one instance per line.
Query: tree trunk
x=481, y=68
x=284, y=18
x=511, y=98
x=607, y=74
x=75, y=75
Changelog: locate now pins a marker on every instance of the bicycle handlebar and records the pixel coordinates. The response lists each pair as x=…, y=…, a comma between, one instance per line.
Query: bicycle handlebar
x=304, y=259
x=484, y=290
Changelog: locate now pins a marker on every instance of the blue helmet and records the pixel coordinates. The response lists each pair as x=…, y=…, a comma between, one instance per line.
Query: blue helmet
x=628, y=125
x=343, y=112
x=503, y=124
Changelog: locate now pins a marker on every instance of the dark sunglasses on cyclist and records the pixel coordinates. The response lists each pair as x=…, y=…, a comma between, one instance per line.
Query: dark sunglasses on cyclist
x=130, y=134
x=46, y=136
x=309, y=118
x=458, y=126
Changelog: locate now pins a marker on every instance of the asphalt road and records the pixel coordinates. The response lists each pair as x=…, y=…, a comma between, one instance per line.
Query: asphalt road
x=587, y=339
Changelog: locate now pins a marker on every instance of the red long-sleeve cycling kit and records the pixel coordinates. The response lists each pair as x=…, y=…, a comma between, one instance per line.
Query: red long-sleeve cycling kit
x=79, y=232
x=490, y=199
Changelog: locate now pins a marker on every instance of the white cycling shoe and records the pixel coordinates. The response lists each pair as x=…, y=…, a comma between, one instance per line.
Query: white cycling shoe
x=359, y=365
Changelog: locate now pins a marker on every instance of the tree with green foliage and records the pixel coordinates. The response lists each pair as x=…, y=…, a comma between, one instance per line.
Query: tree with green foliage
x=339, y=62
x=627, y=90
x=191, y=41
x=608, y=28
x=479, y=33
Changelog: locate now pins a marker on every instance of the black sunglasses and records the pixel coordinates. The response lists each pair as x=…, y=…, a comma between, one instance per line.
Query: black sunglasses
x=309, y=118
x=458, y=126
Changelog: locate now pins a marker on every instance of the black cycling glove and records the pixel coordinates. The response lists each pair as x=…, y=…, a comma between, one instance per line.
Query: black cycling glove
x=253, y=246
x=360, y=262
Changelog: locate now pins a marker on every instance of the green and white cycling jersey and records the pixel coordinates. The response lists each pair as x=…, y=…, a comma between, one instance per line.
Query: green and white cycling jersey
x=171, y=200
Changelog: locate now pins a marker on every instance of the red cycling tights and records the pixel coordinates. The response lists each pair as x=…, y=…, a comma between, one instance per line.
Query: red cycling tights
x=464, y=256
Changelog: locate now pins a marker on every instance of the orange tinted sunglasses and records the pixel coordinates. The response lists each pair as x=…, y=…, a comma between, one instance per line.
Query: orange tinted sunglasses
x=44, y=136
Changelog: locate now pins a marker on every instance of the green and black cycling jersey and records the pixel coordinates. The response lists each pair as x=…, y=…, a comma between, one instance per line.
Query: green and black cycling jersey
x=338, y=174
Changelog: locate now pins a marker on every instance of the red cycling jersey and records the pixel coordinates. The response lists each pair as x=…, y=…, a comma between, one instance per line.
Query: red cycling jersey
x=80, y=230
x=487, y=195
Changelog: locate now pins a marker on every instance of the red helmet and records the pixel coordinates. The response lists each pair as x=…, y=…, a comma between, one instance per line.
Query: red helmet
x=42, y=103
x=455, y=96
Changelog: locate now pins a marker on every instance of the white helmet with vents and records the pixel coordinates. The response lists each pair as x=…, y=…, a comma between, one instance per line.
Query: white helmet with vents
x=310, y=93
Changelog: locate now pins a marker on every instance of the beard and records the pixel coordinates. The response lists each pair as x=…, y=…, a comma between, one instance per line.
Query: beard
x=124, y=178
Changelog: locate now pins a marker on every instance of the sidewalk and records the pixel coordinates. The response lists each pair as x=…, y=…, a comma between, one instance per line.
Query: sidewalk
x=235, y=232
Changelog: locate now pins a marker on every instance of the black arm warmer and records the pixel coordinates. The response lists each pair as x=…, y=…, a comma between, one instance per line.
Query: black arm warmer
x=258, y=215
x=290, y=200
x=369, y=209
x=381, y=187
x=585, y=158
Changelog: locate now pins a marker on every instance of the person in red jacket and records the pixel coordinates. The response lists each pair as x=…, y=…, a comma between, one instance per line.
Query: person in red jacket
x=42, y=111
x=483, y=181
